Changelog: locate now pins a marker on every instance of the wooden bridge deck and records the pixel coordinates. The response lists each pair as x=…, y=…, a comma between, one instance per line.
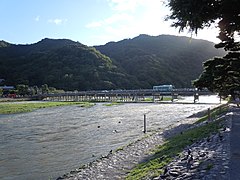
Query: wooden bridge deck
x=121, y=95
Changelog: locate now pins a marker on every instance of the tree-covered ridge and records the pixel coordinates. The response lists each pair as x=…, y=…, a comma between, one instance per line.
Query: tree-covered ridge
x=63, y=64
x=161, y=59
x=140, y=62
x=4, y=44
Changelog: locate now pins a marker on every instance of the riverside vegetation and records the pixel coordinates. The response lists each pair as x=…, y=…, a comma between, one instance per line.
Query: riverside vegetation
x=11, y=108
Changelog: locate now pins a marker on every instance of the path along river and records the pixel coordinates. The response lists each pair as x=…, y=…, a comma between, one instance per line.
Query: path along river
x=47, y=143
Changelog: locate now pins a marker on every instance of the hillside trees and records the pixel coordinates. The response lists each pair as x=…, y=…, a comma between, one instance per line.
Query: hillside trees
x=63, y=64
x=140, y=62
x=220, y=74
x=164, y=59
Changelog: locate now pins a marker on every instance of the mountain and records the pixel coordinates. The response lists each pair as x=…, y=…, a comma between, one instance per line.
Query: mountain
x=163, y=59
x=140, y=62
x=60, y=63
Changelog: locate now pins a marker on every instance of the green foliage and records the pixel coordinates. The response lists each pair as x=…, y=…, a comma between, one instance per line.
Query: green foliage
x=165, y=98
x=157, y=60
x=148, y=99
x=113, y=104
x=192, y=14
x=197, y=14
x=45, y=89
x=22, y=89
x=214, y=113
x=221, y=75
x=11, y=108
x=62, y=64
x=140, y=62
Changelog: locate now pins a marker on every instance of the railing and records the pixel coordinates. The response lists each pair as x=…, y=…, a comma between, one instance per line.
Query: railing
x=182, y=92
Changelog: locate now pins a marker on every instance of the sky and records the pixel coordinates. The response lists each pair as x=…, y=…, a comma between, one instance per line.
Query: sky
x=90, y=22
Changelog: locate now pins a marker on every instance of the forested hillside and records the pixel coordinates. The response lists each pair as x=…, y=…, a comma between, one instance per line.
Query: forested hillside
x=140, y=62
x=63, y=64
x=161, y=59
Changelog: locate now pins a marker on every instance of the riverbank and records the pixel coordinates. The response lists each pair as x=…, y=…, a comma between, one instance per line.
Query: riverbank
x=14, y=99
x=51, y=142
x=118, y=164
x=21, y=107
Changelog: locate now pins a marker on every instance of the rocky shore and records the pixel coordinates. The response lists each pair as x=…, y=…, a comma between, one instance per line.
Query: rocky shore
x=206, y=159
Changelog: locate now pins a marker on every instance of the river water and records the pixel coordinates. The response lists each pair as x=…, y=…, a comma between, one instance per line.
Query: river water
x=48, y=143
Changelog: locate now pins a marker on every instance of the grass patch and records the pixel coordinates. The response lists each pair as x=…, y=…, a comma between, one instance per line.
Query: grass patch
x=165, y=153
x=159, y=99
x=148, y=99
x=120, y=148
x=113, y=104
x=166, y=98
x=214, y=113
x=12, y=108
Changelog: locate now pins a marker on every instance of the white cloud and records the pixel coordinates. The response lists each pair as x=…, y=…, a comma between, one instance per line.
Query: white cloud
x=146, y=17
x=57, y=21
x=133, y=17
x=94, y=24
x=123, y=12
x=129, y=19
x=116, y=18
x=123, y=5
x=111, y=21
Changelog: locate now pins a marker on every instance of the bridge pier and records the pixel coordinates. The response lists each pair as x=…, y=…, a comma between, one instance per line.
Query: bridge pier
x=174, y=96
x=196, y=97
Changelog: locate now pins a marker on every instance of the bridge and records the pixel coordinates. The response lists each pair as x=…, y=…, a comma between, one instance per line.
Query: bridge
x=140, y=95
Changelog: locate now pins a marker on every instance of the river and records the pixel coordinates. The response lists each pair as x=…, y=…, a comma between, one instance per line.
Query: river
x=46, y=143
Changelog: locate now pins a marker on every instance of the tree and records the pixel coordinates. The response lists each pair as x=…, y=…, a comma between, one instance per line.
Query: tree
x=198, y=14
x=220, y=74
x=36, y=90
x=45, y=89
x=22, y=89
x=1, y=92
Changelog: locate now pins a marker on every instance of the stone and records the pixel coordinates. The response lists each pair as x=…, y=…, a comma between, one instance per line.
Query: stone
x=196, y=164
x=174, y=173
x=187, y=174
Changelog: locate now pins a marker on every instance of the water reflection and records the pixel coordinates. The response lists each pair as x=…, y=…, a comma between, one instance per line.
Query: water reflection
x=50, y=142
